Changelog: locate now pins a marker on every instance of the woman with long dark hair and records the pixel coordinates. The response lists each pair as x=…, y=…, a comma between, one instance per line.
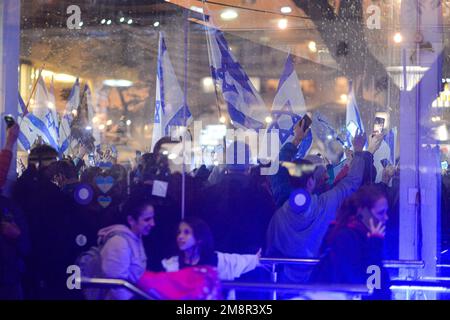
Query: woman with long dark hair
x=196, y=248
x=122, y=252
x=351, y=252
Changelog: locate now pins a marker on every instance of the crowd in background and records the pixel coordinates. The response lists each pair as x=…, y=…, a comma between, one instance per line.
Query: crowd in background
x=61, y=207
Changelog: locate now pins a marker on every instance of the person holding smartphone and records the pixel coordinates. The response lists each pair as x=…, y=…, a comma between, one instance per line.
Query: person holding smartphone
x=298, y=232
x=354, y=242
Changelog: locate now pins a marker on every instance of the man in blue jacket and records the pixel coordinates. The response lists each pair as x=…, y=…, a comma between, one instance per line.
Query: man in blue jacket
x=298, y=232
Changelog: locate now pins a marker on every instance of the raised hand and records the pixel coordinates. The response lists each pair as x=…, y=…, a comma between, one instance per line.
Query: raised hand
x=299, y=132
x=388, y=173
x=359, y=141
x=375, y=142
x=376, y=231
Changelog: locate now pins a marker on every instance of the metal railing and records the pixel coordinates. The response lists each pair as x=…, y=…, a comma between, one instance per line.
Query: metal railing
x=104, y=283
x=275, y=262
x=435, y=284
x=431, y=284
x=349, y=290
x=414, y=264
x=303, y=291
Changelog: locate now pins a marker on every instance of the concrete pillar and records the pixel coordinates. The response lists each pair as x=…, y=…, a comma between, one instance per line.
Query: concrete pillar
x=9, y=63
x=420, y=182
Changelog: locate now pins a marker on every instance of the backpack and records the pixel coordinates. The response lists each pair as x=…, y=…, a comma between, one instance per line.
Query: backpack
x=90, y=264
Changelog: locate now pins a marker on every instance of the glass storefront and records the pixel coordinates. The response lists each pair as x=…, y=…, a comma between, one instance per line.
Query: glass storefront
x=182, y=80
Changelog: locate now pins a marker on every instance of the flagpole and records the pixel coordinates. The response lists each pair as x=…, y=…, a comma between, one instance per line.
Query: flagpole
x=70, y=148
x=183, y=182
x=208, y=45
x=32, y=93
x=34, y=88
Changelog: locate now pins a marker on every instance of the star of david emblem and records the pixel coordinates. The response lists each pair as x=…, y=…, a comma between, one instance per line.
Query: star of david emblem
x=158, y=107
x=50, y=121
x=178, y=118
x=220, y=75
x=284, y=132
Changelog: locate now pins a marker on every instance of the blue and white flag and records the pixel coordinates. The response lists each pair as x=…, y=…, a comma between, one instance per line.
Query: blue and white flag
x=91, y=113
x=170, y=109
x=353, y=120
x=51, y=95
x=327, y=138
x=42, y=121
x=27, y=134
x=387, y=150
x=66, y=121
x=288, y=108
x=391, y=140
x=245, y=106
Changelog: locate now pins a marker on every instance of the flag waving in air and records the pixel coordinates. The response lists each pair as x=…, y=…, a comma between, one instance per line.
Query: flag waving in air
x=289, y=107
x=245, y=106
x=27, y=134
x=170, y=108
x=353, y=120
x=42, y=121
x=66, y=121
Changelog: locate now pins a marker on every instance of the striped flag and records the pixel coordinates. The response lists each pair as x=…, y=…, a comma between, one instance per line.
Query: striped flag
x=289, y=107
x=170, y=109
x=66, y=121
x=42, y=121
x=353, y=120
x=246, y=108
x=27, y=134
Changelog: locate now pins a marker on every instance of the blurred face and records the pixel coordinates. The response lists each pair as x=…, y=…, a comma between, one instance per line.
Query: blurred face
x=322, y=183
x=43, y=164
x=185, y=237
x=145, y=223
x=380, y=209
x=59, y=180
x=311, y=185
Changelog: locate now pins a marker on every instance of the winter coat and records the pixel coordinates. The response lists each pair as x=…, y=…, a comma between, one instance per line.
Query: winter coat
x=299, y=234
x=123, y=257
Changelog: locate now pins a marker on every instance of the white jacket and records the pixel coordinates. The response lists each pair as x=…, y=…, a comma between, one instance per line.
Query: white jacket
x=123, y=257
x=229, y=265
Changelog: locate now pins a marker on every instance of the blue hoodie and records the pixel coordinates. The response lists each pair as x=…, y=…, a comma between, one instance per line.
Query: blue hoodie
x=299, y=235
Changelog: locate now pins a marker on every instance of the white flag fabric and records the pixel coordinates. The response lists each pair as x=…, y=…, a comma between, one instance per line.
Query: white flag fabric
x=289, y=107
x=170, y=109
x=386, y=151
x=246, y=108
x=27, y=134
x=353, y=120
x=43, y=120
x=91, y=112
x=66, y=121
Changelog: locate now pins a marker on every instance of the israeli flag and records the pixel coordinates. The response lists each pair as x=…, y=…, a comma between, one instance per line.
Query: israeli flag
x=386, y=151
x=27, y=134
x=51, y=95
x=170, y=109
x=42, y=121
x=289, y=107
x=391, y=140
x=91, y=112
x=245, y=106
x=353, y=120
x=66, y=121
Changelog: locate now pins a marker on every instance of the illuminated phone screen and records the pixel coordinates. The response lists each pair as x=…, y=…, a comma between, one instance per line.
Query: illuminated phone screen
x=378, y=125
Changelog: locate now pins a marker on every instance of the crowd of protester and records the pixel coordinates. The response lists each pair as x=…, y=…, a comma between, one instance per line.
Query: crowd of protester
x=60, y=207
